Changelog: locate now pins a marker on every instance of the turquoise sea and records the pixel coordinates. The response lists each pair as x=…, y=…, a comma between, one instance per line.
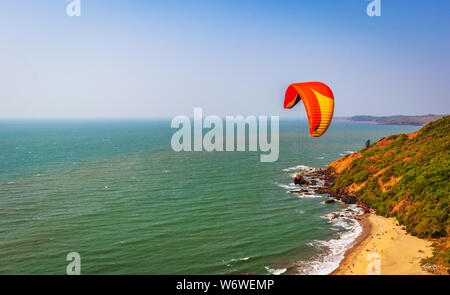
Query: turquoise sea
x=116, y=193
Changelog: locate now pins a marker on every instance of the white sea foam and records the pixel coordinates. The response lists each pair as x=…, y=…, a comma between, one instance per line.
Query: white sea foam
x=320, y=183
x=312, y=196
x=292, y=186
x=276, y=271
x=332, y=251
x=288, y=187
x=234, y=260
x=298, y=167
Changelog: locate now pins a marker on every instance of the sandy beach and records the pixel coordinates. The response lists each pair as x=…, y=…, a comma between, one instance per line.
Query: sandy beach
x=384, y=248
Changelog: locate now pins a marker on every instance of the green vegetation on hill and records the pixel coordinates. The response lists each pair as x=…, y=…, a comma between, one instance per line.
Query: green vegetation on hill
x=406, y=177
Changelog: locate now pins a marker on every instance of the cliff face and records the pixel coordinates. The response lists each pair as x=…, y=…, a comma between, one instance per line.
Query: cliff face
x=406, y=176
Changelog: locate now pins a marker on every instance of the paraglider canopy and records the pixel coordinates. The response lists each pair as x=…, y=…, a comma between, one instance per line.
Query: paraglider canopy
x=318, y=100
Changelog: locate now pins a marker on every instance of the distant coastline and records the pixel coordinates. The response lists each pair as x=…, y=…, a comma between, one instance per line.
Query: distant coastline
x=420, y=120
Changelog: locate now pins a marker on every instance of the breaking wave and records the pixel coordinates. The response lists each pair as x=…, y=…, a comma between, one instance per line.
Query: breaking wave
x=298, y=167
x=332, y=251
x=276, y=271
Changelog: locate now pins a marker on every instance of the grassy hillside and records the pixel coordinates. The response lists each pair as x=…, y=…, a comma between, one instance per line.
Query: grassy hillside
x=405, y=176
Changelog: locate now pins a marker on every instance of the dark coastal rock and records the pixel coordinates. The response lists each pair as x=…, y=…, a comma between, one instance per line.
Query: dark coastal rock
x=349, y=199
x=363, y=206
x=321, y=190
x=313, y=182
x=329, y=175
x=300, y=191
x=314, y=172
x=335, y=215
x=343, y=197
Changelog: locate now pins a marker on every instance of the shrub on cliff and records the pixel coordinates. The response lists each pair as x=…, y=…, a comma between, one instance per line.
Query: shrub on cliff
x=406, y=176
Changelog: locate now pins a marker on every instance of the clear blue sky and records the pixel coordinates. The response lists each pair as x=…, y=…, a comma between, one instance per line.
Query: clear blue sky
x=162, y=58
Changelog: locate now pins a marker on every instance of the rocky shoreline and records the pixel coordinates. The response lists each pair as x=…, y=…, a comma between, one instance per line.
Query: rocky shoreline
x=320, y=182
x=350, y=218
x=379, y=234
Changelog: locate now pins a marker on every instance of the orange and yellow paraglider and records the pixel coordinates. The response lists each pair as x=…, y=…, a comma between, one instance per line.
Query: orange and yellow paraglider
x=318, y=100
